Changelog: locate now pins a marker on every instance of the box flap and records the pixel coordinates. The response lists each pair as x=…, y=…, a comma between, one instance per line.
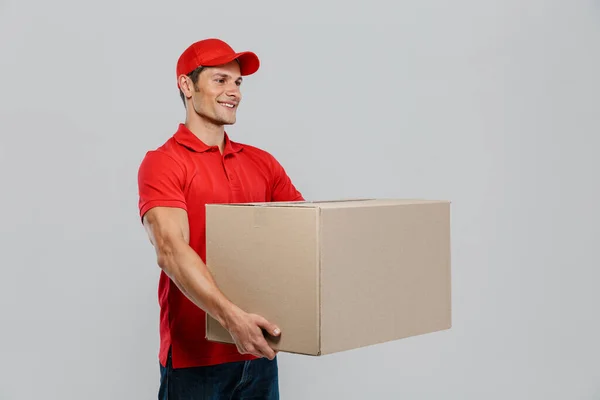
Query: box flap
x=304, y=204
x=339, y=203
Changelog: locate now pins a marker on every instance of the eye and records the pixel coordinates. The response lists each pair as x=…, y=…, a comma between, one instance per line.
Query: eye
x=220, y=80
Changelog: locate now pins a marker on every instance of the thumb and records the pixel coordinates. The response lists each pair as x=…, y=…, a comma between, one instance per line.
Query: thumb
x=271, y=328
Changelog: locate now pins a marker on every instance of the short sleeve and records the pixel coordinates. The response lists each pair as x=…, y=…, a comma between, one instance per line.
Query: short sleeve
x=283, y=188
x=161, y=182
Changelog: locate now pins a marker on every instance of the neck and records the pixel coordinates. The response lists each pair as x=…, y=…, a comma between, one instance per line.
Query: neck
x=207, y=132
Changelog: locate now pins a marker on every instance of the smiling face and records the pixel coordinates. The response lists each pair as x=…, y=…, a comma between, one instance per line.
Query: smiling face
x=216, y=96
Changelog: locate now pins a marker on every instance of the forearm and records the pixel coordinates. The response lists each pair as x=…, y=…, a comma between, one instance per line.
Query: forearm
x=168, y=231
x=187, y=270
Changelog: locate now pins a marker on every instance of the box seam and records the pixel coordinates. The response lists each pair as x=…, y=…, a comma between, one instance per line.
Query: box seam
x=320, y=279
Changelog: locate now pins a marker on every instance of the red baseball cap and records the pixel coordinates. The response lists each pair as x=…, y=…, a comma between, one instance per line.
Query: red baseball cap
x=213, y=52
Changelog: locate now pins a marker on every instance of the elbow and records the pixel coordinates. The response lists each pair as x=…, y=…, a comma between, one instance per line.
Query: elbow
x=170, y=255
x=165, y=258
x=169, y=262
x=167, y=235
x=162, y=259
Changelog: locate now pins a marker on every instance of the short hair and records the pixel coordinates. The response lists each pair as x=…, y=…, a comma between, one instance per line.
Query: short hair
x=194, y=77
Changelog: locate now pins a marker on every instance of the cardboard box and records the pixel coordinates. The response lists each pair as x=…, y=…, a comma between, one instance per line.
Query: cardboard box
x=334, y=275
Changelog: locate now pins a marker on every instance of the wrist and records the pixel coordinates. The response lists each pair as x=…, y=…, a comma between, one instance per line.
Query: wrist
x=227, y=314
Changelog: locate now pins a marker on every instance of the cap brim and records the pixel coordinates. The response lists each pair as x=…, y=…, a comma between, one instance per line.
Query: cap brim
x=249, y=62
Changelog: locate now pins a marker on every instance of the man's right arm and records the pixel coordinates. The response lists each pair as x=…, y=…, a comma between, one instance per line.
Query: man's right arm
x=163, y=208
x=168, y=231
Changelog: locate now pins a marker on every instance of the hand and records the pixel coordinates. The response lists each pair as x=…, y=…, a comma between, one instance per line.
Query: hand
x=247, y=332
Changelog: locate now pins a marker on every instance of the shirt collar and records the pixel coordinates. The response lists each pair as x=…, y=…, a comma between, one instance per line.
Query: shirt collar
x=186, y=138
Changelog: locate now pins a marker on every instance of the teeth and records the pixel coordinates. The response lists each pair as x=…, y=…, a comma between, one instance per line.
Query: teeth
x=228, y=105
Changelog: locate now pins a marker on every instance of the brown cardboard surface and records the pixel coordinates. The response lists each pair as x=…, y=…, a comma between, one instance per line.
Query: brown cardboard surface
x=334, y=275
x=385, y=273
x=265, y=261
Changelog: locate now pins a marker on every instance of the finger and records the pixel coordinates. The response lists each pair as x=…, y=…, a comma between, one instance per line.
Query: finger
x=271, y=328
x=257, y=352
x=265, y=349
x=252, y=350
x=269, y=353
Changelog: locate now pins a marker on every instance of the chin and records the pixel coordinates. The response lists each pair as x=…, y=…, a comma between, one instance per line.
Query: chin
x=228, y=121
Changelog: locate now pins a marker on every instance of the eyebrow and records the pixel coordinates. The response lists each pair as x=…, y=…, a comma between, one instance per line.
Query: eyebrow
x=223, y=75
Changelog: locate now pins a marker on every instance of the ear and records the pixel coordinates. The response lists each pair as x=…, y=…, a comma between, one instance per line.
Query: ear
x=186, y=86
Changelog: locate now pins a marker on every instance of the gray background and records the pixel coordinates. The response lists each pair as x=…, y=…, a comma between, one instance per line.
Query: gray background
x=491, y=104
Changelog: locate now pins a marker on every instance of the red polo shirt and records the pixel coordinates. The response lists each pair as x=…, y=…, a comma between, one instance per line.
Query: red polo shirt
x=184, y=172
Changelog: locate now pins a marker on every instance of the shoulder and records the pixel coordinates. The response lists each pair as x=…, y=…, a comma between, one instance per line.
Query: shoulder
x=266, y=161
x=165, y=158
x=258, y=154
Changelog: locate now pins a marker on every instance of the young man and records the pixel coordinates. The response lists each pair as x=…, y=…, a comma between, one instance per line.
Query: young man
x=200, y=164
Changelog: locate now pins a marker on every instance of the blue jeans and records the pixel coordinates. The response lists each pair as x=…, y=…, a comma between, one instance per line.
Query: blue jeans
x=256, y=379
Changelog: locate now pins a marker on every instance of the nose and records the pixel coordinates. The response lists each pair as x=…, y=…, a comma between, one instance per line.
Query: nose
x=234, y=91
